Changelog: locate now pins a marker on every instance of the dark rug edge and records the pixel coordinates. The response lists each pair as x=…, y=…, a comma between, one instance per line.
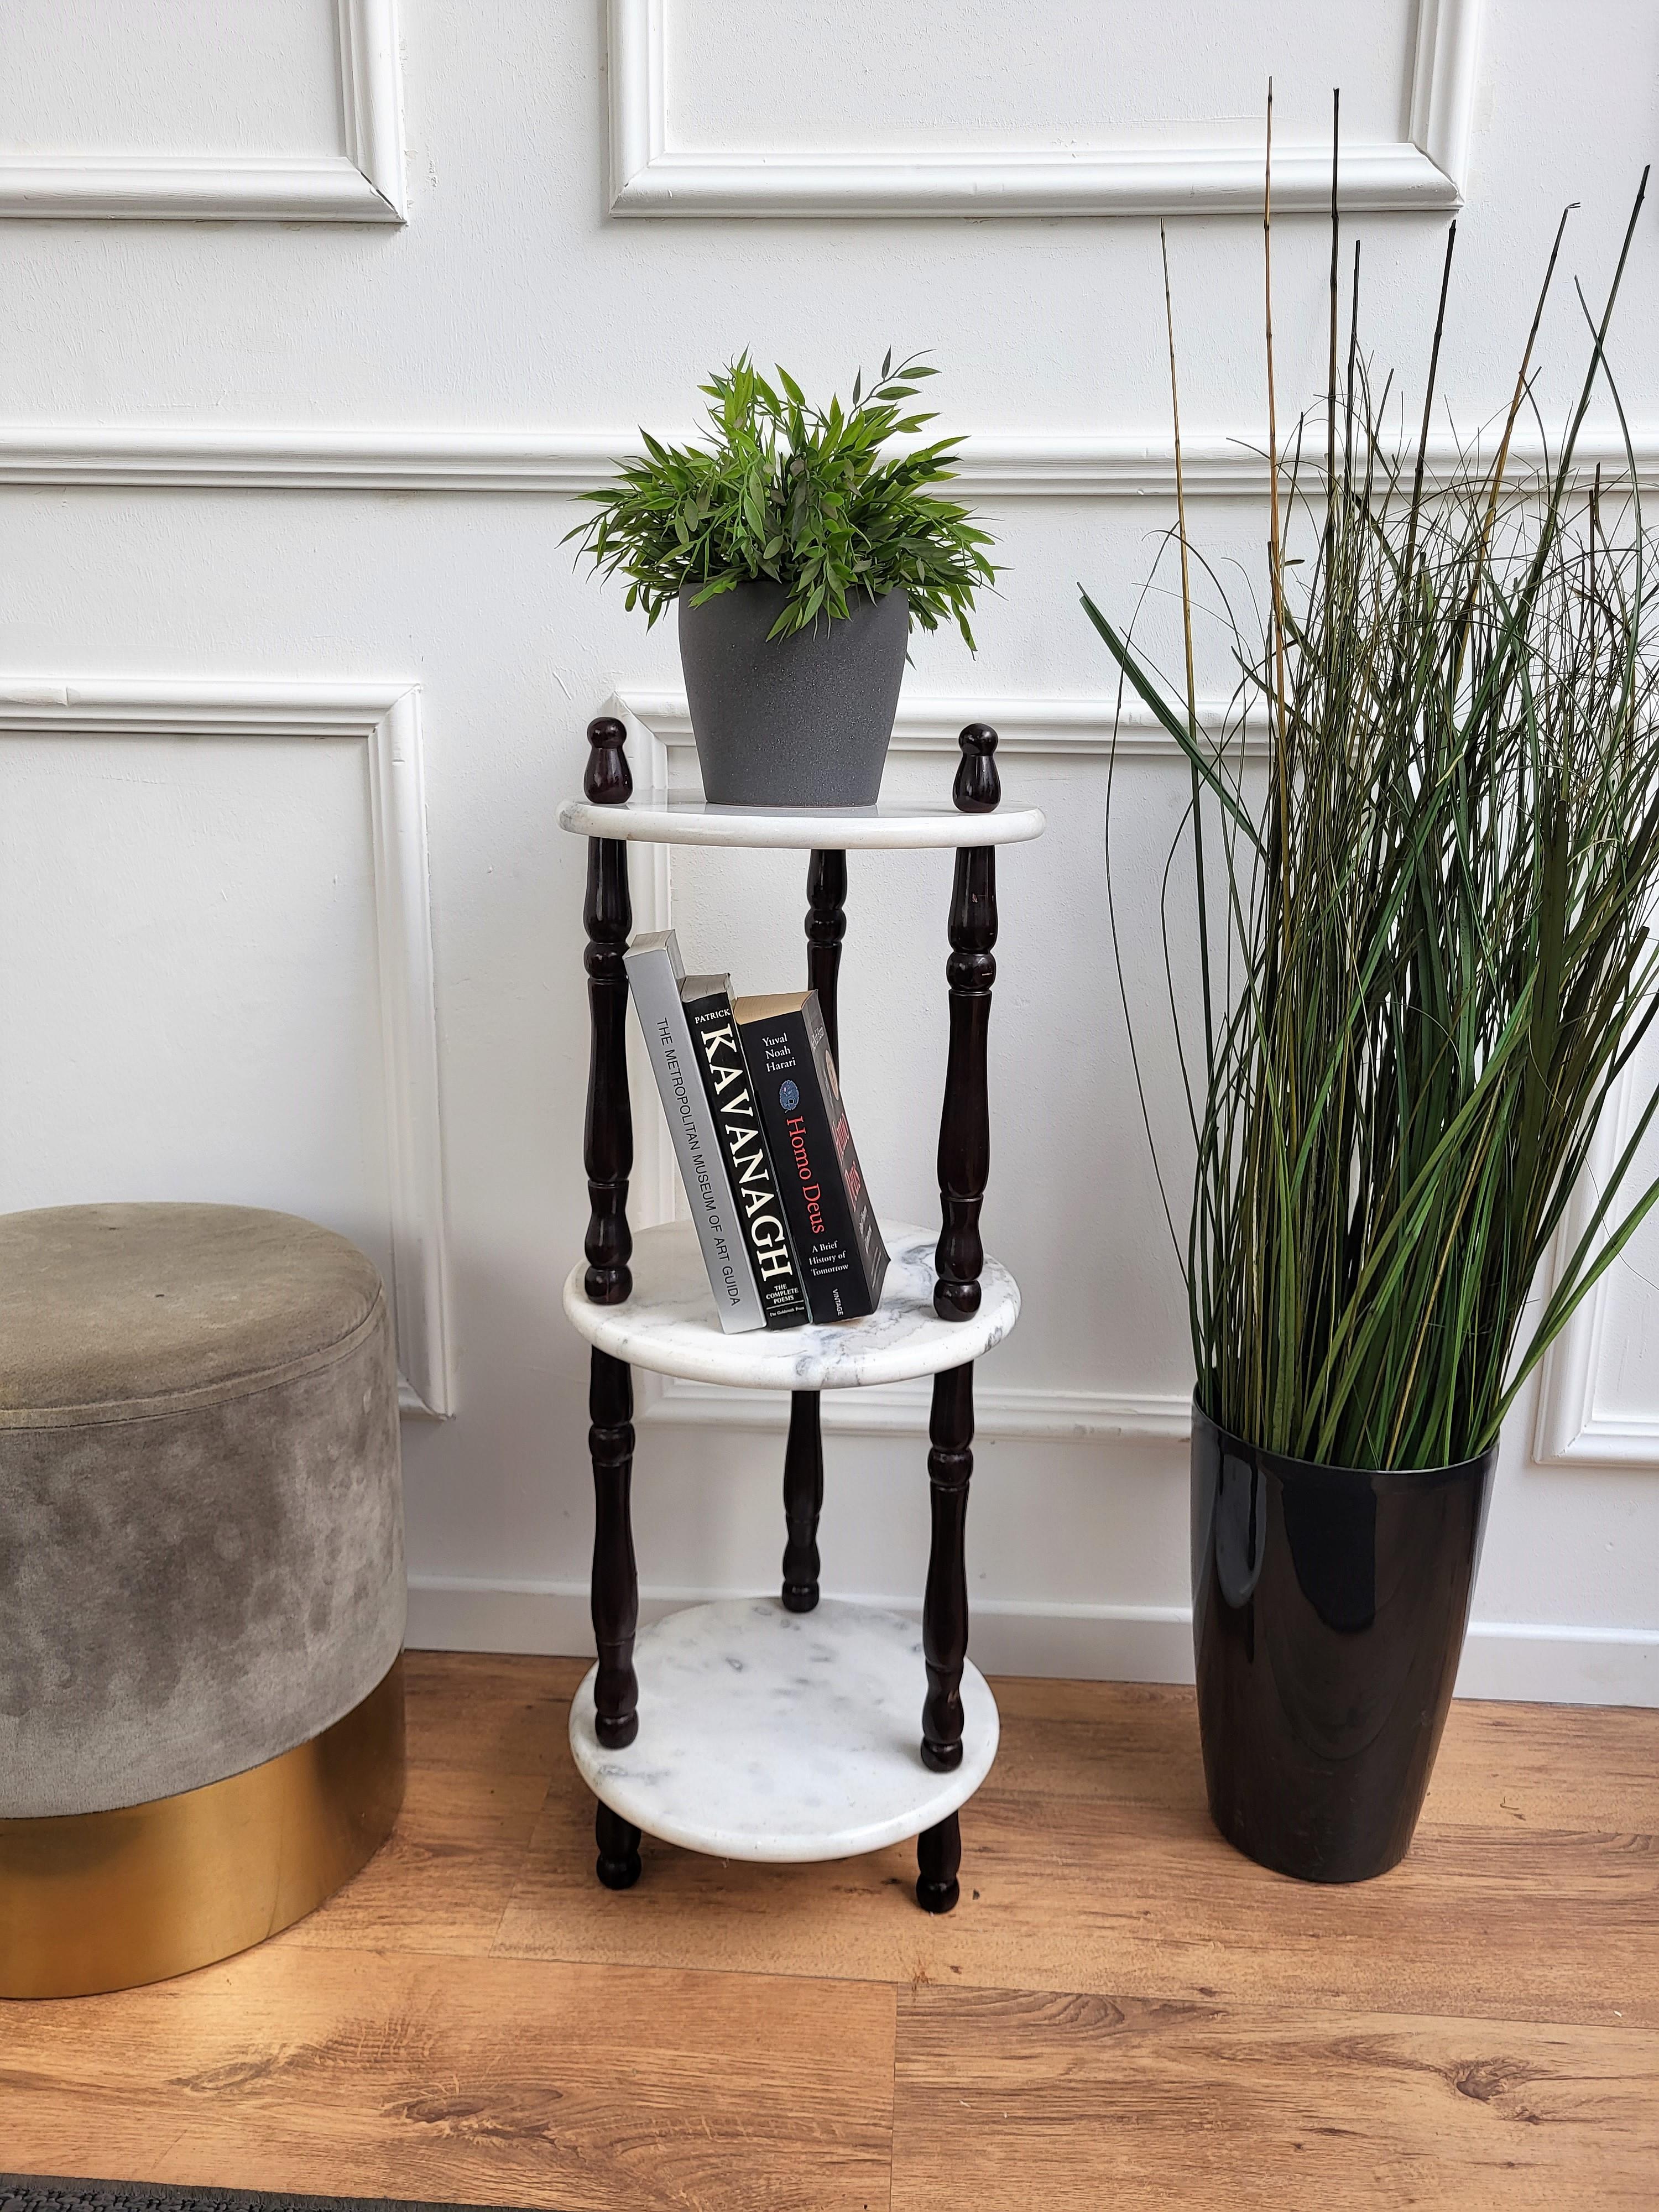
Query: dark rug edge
x=51, y=2192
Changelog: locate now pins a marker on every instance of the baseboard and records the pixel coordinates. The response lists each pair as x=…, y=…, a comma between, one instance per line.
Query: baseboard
x=1542, y=1662
x=1554, y=1663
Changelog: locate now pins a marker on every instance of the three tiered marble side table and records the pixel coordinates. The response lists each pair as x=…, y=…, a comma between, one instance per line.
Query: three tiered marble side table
x=785, y=1729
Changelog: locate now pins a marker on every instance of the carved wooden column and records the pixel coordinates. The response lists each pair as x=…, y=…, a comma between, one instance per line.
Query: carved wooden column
x=944, y=1606
x=826, y=925
x=803, y=1460
x=964, y=1160
x=964, y=1134
x=608, y=1156
x=607, y=1131
x=803, y=1501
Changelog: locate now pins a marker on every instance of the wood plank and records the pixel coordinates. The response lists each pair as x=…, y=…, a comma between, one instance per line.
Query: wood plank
x=491, y=1712
x=1500, y=1765
x=444, y=1880
x=1069, y=1889
x=1592, y=1767
x=1018, y=2101
x=490, y=2081
x=1505, y=1765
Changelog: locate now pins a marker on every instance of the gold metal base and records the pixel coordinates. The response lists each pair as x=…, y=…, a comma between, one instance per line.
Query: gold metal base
x=91, y=1901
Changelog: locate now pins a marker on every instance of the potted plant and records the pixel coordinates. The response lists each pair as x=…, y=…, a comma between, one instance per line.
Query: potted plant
x=1422, y=962
x=797, y=557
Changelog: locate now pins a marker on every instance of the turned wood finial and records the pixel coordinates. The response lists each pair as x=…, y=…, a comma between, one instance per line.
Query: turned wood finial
x=607, y=779
x=978, y=787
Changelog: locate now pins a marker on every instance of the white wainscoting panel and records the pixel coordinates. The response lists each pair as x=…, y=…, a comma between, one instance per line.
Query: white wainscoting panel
x=1576, y=1425
x=362, y=183
x=385, y=719
x=648, y=176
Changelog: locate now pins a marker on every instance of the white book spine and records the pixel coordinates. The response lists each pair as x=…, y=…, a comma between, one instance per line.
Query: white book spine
x=654, y=986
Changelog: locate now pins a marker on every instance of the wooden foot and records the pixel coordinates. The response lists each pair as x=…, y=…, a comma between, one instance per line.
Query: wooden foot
x=619, y=1863
x=803, y=1501
x=939, y=1855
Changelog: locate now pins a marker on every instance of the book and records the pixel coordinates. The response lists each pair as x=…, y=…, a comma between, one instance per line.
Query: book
x=654, y=969
x=786, y=1050
x=741, y=1138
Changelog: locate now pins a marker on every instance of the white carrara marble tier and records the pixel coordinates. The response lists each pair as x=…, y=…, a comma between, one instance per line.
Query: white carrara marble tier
x=768, y=1734
x=670, y=1325
x=662, y=817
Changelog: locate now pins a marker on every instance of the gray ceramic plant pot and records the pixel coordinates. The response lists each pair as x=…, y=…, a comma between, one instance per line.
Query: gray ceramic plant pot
x=803, y=720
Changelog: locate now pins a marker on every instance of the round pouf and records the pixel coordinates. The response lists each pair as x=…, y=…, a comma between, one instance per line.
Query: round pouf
x=201, y=1585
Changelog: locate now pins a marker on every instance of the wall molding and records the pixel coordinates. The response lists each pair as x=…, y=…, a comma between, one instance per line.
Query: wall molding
x=1571, y=1428
x=1549, y=1662
x=363, y=183
x=554, y=462
x=385, y=718
x=900, y=1409
x=1029, y=725
x=1426, y=172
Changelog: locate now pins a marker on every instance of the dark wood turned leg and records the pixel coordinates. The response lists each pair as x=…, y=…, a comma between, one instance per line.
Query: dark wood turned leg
x=619, y=1863
x=608, y=1156
x=616, y=1594
x=964, y=1132
x=826, y=925
x=945, y=1606
x=608, y=1128
x=803, y=1501
x=803, y=1462
x=939, y=1855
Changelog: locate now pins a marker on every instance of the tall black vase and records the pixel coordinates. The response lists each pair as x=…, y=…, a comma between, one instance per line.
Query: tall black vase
x=1328, y=1611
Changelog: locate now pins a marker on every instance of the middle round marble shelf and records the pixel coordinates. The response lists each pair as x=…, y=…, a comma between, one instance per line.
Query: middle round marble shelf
x=782, y=1736
x=670, y=1324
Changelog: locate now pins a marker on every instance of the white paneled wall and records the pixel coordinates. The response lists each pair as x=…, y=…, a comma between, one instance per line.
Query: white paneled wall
x=333, y=317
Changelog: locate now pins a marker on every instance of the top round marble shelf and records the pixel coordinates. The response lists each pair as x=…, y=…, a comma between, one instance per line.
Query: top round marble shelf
x=670, y=1323
x=670, y=817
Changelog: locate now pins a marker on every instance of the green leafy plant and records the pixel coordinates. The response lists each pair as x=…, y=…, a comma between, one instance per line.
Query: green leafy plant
x=1423, y=959
x=800, y=495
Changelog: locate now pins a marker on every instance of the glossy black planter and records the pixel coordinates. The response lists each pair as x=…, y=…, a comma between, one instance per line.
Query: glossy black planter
x=1328, y=1611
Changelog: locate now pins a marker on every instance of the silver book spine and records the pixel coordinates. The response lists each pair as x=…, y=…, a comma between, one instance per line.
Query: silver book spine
x=655, y=991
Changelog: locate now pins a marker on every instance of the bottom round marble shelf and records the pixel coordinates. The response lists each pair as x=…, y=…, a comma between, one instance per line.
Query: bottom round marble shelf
x=768, y=1734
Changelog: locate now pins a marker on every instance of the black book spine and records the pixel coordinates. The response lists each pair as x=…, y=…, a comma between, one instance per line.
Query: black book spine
x=872, y=1252
x=800, y=1132
x=741, y=1135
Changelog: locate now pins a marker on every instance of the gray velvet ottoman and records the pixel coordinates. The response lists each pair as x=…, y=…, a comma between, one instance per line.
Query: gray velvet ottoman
x=201, y=1585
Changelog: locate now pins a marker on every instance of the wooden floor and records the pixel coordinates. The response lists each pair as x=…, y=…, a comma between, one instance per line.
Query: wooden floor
x=1121, y=2013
